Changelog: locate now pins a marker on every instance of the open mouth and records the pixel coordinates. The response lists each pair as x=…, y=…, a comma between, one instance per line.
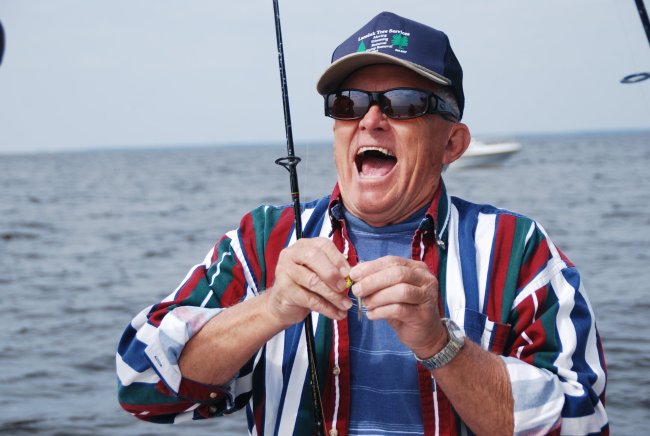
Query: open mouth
x=374, y=161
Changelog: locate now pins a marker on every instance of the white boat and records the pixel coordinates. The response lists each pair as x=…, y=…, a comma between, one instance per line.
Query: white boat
x=480, y=154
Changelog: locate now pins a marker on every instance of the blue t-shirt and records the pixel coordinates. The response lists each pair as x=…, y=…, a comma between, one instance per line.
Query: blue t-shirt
x=385, y=395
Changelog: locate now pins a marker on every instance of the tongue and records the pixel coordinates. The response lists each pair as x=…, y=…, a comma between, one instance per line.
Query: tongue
x=376, y=166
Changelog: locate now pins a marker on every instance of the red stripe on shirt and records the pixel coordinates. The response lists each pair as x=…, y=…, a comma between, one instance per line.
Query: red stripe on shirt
x=276, y=243
x=249, y=241
x=534, y=329
x=499, y=265
x=159, y=311
x=535, y=263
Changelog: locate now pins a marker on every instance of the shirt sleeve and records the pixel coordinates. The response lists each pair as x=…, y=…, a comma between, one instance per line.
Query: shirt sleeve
x=556, y=362
x=150, y=383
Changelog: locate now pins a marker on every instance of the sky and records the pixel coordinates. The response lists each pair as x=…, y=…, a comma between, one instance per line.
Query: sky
x=92, y=74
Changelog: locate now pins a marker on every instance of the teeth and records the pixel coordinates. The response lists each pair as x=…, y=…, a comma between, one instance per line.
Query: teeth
x=379, y=149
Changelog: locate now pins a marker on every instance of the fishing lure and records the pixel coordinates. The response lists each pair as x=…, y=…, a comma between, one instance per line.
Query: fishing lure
x=348, y=285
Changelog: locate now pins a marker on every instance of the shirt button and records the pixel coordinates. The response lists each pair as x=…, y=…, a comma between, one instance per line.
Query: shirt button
x=336, y=371
x=213, y=409
x=213, y=395
x=334, y=432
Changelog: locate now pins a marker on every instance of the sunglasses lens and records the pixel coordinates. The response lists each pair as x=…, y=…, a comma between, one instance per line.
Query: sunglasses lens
x=348, y=105
x=405, y=103
x=401, y=103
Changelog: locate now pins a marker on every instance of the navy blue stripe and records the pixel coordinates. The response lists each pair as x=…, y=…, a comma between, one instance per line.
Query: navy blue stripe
x=313, y=226
x=250, y=419
x=468, y=220
x=581, y=319
x=291, y=340
x=579, y=406
x=474, y=325
x=131, y=350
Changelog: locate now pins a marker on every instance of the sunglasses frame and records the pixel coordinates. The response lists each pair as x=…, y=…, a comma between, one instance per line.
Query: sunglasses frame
x=436, y=105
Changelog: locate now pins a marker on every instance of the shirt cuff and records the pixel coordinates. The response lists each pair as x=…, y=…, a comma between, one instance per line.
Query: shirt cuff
x=175, y=330
x=538, y=397
x=198, y=392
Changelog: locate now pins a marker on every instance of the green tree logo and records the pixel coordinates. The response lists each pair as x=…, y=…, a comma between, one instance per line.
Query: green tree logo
x=362, y=47
x=401, y=41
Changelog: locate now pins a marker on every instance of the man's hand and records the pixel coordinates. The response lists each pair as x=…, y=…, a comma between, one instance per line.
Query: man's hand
x=310, y=276
x=405, y=293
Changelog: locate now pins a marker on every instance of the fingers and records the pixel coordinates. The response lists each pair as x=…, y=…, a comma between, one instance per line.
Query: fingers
x=396, y=311
x=403, y=292
x=330, y=308
x=312, y=282
x=310, y=276
x=321, y=257
x=394, y=288
x=398, y=279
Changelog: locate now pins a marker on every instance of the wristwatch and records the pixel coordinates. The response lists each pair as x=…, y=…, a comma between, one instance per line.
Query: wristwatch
x=444, y=356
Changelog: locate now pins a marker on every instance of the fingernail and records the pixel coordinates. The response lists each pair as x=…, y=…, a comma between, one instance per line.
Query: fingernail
x=344, y=271
x=341, y=285
x=347, y=303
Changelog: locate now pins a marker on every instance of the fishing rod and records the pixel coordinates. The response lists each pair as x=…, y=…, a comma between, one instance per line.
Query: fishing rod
x=645, y=21
x=290, y=162
x=2, y=41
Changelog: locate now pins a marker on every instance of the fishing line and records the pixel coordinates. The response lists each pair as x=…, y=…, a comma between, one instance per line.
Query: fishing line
x=290, y=163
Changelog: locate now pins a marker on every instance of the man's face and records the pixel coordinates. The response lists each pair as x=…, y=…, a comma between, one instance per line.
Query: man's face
x=388, y=169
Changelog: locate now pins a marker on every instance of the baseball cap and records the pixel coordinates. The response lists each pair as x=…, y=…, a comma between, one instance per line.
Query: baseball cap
x=391, y=39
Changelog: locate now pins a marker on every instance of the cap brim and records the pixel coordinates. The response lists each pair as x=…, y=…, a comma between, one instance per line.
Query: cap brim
x=339, y=70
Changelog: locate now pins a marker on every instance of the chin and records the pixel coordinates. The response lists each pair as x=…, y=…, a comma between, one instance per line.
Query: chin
x=373, y=212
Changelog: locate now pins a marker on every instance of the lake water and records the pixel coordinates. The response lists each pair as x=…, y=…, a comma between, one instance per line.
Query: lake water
x=87, y=239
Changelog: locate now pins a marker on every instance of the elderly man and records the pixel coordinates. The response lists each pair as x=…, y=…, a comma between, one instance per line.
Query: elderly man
x=474, y=320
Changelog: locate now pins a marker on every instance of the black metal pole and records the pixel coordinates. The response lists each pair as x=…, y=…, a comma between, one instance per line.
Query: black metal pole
x=643, y=14
x=2, y=42
x=645, y=21
x=290, y=162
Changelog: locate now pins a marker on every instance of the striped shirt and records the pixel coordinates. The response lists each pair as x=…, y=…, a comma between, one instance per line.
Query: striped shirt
x=501, y=279
x=383, y=371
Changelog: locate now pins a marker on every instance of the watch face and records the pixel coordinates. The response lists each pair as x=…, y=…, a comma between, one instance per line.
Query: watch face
x=455, y=331
x=456, y=342
x=456, y=335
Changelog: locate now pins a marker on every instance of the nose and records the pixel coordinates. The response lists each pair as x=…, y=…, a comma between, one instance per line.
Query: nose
x=373, y=119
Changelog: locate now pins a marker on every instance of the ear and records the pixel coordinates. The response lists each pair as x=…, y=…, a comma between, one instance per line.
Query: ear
x=458, y=142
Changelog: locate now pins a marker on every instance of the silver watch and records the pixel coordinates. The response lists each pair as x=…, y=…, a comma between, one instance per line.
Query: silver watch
x=444, y=356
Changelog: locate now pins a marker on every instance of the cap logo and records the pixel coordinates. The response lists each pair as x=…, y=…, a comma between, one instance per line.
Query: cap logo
x=384, y=40
x=401, y=41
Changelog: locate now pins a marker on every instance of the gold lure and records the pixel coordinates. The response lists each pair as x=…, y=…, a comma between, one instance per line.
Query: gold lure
x=348, y=285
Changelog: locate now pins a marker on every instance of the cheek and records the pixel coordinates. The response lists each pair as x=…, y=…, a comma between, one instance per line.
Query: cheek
x=421, y=144
x=343, y=136
x=343, y=129
x=340, y=155
x=427, y=156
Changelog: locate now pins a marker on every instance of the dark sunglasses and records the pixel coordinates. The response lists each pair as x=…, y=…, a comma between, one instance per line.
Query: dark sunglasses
x=396, y=103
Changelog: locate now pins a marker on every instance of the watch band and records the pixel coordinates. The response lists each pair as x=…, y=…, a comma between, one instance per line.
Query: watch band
x=449, y=351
